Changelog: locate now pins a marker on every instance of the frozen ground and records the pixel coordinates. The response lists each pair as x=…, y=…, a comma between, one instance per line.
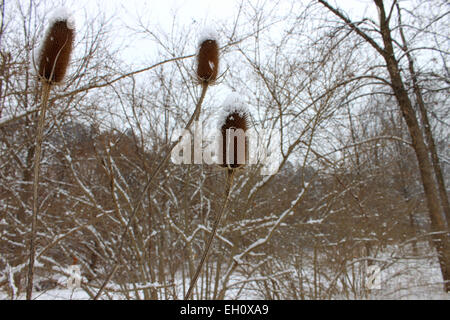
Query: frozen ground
x=408, y=277
x=412, y=281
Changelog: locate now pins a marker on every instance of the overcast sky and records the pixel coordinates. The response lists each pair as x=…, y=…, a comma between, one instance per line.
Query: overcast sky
x=160, y=13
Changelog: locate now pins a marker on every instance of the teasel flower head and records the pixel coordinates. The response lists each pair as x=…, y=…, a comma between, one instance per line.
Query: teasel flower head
x=233, y=125
x=54, y=54
x=208, y=57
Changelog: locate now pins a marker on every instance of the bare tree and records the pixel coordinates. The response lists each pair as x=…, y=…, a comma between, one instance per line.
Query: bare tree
x=386, y=51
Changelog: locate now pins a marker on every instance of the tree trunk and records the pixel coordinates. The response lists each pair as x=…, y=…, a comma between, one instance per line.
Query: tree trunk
x=438, y=223
x=426, y=126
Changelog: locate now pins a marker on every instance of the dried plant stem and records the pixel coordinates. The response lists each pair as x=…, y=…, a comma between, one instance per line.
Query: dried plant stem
x=136, y=208
x=37, y=160
x=230, y=178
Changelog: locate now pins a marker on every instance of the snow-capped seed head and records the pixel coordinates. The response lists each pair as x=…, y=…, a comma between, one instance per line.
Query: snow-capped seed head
x=232, y=104
x=62, y=14
x=54, y=54
x=208, y=57
x=233, y=124
x=207, y=33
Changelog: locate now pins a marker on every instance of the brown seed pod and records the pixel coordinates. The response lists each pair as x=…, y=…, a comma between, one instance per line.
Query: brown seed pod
x=55, y=52
x=233, y=150
x=208, y=61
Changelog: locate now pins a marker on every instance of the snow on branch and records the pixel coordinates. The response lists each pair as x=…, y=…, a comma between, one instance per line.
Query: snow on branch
x=8, y=119
x=238, y=258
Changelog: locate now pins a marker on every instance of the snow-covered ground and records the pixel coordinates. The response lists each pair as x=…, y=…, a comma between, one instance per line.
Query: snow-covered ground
x=408, y=277
x=411, y=279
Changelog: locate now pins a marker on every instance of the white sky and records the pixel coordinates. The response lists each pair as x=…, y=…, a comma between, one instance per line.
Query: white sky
x=160, y=13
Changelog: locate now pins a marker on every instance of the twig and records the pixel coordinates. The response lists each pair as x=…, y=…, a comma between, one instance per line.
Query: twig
x=230, y=178
x=146, y=188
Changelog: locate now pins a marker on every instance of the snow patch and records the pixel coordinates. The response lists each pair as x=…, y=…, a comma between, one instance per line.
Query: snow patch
x=314, y=221
x=62, y=14
x=59, y=14
x=208, y=33
x=232, y=104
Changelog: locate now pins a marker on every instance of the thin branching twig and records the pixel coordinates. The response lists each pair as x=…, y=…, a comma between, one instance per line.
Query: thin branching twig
x=146, y=188
x=230, y=178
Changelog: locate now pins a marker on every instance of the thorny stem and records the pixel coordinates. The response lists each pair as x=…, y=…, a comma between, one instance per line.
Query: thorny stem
x=146, y=188
x=230, y=178
x=37, y=160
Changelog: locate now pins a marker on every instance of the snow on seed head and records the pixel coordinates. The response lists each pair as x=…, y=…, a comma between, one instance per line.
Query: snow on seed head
x=233, y=104
x=233, y=125
x=208, y=57
x=207, y=33
x=54, y=54
x=62, y=14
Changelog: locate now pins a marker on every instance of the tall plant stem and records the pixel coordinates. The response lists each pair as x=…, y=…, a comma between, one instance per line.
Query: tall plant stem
x=136, y=208
x=230, y=178
x=37, y=161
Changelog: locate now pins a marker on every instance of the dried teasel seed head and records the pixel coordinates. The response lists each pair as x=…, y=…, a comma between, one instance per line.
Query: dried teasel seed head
x=233, y=125
x=54, y=54
x=208, y=57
